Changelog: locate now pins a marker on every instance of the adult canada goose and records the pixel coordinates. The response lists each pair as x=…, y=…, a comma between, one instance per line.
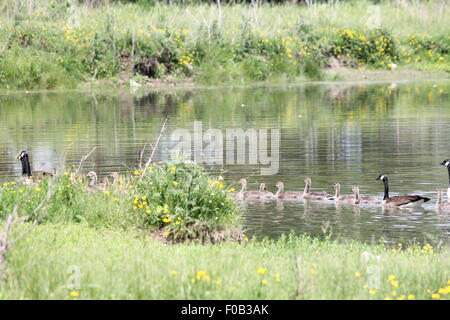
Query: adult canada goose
x=364, y=200
x=26, y=168
x=447, y=164
x=281, y=194
x=337, y=195
x=442, y=206
x=404, y=201
x=93, y=186
x=307, y=194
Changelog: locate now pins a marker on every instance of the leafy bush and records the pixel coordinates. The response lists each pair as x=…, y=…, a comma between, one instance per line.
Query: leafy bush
x=182, y=201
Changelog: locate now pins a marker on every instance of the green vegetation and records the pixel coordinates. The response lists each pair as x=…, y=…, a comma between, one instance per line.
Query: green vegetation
x=53, y=44
x=73, y=261
x=176, y=200
x=108, y=245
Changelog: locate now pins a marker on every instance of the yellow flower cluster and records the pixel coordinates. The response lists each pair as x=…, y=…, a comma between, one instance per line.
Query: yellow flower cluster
x=81, y=38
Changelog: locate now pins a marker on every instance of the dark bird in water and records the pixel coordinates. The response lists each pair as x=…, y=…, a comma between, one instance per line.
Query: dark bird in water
x=26, y=168
x=405, y=201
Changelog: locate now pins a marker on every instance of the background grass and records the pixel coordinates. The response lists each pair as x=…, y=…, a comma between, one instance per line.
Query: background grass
x=54, y=44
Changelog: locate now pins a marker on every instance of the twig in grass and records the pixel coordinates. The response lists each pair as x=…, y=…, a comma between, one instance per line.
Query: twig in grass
x=161, y=133
x=84, y=159
x=299, y=290
x=6, y=244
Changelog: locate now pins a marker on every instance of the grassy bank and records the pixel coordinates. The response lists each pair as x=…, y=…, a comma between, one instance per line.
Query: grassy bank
x=73, y=261
x=175, y=201
x=52, y=44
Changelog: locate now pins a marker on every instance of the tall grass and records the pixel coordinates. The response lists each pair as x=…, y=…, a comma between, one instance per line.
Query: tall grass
x=61, y=261
x=211, y=44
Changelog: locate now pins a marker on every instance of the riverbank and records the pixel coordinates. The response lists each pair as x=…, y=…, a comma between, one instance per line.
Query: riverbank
x=74, y=261
x=48, y=47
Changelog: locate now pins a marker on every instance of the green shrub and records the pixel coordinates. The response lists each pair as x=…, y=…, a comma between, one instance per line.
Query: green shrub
x=181, y=200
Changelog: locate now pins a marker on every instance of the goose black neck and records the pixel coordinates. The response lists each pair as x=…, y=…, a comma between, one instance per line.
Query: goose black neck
x=448, y=168
x=26, y=169
x=386, y=189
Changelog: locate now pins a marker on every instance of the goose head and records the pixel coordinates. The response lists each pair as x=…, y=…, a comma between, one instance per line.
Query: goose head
x=22, y=155
x=355, y=189
x=279, y=185
x=93, y=176
x=308, y=180
x=382, y=177
x=446, y=163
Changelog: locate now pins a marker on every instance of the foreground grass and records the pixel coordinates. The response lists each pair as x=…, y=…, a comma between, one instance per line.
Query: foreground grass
x=50, y=45
x=73, y=261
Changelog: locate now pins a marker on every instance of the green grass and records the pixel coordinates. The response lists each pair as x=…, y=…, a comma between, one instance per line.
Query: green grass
x=131, y=265
x=235, y=44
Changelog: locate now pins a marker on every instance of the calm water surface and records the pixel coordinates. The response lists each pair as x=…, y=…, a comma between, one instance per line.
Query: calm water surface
x=330, y=132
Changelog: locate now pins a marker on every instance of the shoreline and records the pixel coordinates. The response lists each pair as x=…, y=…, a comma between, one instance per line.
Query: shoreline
x=341, y=76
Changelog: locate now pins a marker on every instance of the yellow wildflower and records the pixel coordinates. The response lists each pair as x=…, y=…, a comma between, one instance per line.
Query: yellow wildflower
x=436, y=296
x=391, y=277
x=372, y=291
x=74, y=294
x=261, y=271
x=264, y=281
x=394, y=284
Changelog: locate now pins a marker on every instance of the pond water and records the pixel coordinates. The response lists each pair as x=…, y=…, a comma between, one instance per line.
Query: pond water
x=330, y=132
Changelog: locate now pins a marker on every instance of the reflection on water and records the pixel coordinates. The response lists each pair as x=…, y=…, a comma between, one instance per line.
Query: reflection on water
x=330, y=132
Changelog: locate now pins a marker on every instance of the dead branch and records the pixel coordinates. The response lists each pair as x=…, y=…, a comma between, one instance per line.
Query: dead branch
x=84, y=159
x=161, y=133
x=142, y=155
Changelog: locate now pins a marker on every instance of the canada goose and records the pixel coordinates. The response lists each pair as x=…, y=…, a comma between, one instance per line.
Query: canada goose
x=442, y=206
x=280, y=194
x=338, y=197
x=240, y=195
x=364, y=200
x=26, y=168
x=447, y=164
x=307, y=194
x=262, y=194
x=404, y=201
x=93, y=186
